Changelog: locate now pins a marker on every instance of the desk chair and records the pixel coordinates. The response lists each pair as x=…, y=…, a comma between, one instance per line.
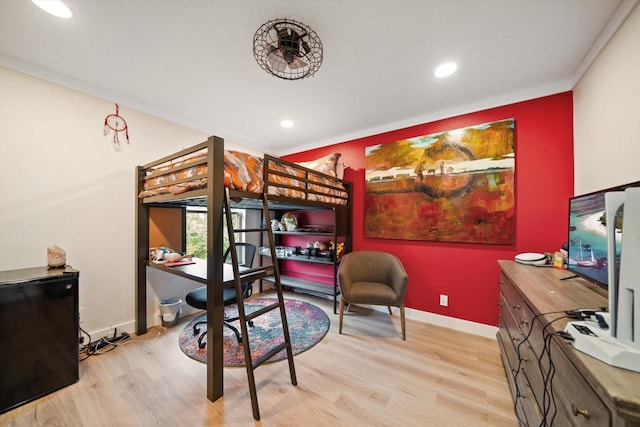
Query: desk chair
x=198, y=297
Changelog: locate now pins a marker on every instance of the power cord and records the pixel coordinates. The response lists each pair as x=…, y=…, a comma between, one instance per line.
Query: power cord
x=103, y=345
x=547, y=395
x=548, y=399
x=520, y=359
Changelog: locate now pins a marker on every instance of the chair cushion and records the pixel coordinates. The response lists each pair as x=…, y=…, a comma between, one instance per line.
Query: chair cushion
x=372, y=293
x=197, y=298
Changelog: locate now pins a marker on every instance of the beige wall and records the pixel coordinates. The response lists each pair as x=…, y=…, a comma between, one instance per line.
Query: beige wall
x=62, y=183
x=607, y=114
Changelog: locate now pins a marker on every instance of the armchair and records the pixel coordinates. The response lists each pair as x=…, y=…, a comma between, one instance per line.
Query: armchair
x=373, y=278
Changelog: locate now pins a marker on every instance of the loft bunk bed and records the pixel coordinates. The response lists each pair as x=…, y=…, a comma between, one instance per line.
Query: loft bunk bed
x=207, y=175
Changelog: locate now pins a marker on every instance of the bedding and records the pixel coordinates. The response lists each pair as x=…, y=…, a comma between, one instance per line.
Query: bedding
x=245, y=172
x=327, y=165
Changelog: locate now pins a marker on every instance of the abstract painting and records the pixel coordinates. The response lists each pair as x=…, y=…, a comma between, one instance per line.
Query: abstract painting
x=451, y=186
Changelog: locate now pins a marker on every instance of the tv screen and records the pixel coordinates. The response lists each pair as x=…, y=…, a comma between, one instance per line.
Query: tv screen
x=587, y=240
x=587, y=249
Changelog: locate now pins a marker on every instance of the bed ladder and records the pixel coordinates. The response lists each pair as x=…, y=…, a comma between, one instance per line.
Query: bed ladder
x=252, y=274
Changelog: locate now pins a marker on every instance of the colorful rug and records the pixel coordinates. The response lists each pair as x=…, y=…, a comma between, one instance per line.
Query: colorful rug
x=308, y=324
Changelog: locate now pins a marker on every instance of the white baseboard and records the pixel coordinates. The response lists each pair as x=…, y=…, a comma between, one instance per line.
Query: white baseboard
x=421, y=316
x=130, y=327
x=447, y=322
x=452, y=323
x=439, y=320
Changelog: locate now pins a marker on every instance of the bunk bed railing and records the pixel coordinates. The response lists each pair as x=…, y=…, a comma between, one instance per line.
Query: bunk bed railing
x=275, y=166
x=179, y=155
x=183, y=175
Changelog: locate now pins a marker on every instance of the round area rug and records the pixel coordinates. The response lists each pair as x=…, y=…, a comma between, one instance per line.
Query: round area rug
x=308, y=324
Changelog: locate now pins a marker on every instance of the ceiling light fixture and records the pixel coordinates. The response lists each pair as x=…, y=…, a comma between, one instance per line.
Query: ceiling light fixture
x=445, y=70
x=54, y=7
x=287, y=49
x=287, y=124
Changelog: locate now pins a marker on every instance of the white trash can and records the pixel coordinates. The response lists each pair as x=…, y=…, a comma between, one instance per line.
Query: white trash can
x=170, y=310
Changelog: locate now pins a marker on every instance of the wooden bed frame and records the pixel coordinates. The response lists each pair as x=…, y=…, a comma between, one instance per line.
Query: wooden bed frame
x=213, y=198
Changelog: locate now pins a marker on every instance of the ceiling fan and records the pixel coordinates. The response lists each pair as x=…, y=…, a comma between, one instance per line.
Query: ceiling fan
x=287, y=49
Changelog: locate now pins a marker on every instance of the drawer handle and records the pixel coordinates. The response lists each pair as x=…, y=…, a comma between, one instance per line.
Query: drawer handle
x=524, y=322
x=516, y=307
x=524, y=359
x=577, y=411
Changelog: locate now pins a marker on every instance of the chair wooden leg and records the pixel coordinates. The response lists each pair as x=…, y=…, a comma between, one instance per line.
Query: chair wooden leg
x=390, y=313
x=404, y=329
x=341, y=312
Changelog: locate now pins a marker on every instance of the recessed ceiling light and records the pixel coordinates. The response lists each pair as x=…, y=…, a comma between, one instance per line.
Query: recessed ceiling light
x=287, y=124
x=54, y=7
x=446, y=69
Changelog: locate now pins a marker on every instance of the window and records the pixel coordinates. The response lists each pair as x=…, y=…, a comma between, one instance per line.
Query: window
x=196, y=230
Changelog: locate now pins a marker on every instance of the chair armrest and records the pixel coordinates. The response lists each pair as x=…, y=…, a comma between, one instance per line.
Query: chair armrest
x=398, y=278
x=344, y=280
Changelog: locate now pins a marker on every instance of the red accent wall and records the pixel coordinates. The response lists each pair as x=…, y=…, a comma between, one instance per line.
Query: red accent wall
x=468, y=273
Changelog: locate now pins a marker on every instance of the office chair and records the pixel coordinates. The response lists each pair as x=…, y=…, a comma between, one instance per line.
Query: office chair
x=198, y=297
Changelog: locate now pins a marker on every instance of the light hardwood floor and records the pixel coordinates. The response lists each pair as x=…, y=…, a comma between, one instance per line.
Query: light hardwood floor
x=366, y=377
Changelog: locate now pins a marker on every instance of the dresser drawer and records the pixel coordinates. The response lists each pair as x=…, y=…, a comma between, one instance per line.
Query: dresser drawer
x=527, y=400
x=504, y=342
x=514, y=362
x=509, y=350
x=509, y=322
x=529, y=364
x=516, y=304
x=574, y=397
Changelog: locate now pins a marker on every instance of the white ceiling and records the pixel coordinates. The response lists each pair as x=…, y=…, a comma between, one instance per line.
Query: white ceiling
x=191, y=61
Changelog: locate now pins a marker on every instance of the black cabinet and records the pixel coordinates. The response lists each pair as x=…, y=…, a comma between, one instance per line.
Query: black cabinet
x=38, y=332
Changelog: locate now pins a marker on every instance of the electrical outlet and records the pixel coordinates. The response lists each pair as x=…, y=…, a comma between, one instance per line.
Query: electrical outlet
x=81, y=314
x=444, y=300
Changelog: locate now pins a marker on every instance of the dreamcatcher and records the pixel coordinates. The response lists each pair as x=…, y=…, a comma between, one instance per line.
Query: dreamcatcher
x=117, y=124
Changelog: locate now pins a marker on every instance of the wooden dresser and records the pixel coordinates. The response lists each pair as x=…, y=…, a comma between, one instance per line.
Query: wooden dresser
x=551, y=382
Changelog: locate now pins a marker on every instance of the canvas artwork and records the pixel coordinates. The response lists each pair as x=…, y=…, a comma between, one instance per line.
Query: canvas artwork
x=452, y=186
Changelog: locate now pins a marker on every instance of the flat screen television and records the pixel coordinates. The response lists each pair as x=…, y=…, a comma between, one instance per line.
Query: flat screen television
x=604, y=247
x=587, y=239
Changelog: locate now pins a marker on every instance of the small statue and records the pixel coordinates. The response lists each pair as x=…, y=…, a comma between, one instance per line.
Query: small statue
x=320, y=246
x=290, y=221
x=56, y=257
